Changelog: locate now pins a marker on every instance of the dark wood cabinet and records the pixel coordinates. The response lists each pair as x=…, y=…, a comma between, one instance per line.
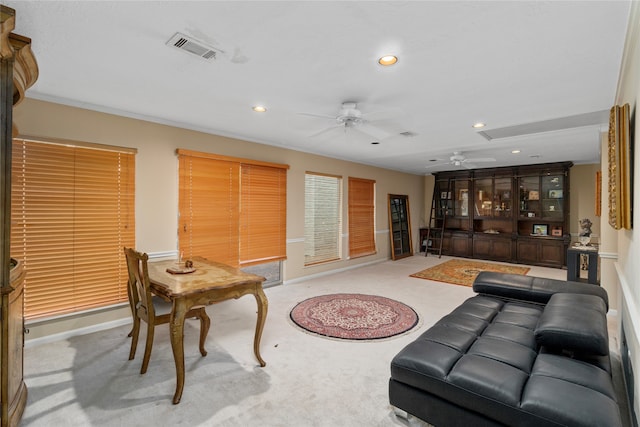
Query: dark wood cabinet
x=460, y=244
x=548, y=252
x=514, y=214
x=497, y=248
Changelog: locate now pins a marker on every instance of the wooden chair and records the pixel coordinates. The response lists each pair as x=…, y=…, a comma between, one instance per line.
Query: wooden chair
x=152, y=309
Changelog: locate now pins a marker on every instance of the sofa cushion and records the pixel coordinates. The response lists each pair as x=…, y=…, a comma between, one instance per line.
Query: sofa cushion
x=530, y=288
x=574, y=322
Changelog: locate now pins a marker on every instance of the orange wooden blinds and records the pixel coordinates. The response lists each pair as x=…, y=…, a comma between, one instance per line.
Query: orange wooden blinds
x=72, y=213
x=362, y=240
x=209, y=207
x=263, y=214
x=232, y=210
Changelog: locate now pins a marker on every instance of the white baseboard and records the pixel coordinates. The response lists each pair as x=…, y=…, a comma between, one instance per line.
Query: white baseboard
x=76, y=332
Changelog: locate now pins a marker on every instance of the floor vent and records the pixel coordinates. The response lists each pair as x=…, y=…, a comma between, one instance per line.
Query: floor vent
x=195, y=47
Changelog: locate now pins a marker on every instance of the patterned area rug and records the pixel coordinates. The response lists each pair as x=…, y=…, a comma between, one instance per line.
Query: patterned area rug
x=463, y=272
x=354, y=316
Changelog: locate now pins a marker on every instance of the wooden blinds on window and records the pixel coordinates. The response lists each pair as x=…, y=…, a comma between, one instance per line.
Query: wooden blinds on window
x=209, y=208
x=72, y=213
x=263, y=220
x=232, y=210
x=362, y=240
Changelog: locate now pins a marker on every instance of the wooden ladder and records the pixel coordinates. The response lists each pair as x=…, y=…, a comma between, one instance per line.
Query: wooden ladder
x=437, y=221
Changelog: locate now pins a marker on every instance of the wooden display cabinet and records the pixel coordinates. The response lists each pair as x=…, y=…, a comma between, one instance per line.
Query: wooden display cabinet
x=18, y=71
x=514, y=214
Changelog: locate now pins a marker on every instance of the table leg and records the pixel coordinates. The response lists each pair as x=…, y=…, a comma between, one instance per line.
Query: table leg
x=176, y=331
x=263, y=306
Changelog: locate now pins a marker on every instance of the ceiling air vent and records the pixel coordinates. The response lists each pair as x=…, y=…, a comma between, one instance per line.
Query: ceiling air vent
x=562, y=123
x=193, y=46
x=408, y=134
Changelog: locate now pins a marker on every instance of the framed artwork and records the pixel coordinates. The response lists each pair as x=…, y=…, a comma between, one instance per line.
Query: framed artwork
x=540, y=230
x=598, y=193
x=619, y=165
x=556, y=230
x=555, y=194
x=534, y=195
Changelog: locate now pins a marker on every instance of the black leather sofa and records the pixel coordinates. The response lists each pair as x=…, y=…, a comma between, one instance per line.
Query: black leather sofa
x=525, y=351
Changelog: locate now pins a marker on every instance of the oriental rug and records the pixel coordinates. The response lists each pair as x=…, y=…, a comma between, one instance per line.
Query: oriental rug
x=354, y=316
x=463, y=272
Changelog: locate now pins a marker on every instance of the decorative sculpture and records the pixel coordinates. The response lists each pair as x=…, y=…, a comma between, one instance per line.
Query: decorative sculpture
x=585, y=227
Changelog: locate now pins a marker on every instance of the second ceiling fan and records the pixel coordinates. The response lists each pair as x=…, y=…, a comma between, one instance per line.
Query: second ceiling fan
x=459, y=159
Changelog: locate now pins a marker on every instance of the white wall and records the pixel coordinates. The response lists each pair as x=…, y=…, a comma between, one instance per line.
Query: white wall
x=628, y=241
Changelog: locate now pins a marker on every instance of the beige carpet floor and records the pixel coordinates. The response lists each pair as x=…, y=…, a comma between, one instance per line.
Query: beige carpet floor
x=308, y=381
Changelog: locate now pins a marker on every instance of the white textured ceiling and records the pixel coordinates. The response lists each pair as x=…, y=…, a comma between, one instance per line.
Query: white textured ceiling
x=505, y=63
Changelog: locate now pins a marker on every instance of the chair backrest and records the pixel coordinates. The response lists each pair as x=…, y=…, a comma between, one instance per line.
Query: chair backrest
x=139, y=284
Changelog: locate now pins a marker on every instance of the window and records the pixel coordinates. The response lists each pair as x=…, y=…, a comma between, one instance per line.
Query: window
x=209, y=199
x=263, y=214
x=72, y=213
x=232, y=210
x=362, y=221
x=322, y=218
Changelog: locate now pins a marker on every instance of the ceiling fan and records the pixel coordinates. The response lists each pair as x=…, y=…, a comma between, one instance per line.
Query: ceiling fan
x=459, y=159
x=350, y=118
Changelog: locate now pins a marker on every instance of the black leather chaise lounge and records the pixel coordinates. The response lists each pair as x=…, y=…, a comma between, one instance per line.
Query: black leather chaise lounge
x=525, y=351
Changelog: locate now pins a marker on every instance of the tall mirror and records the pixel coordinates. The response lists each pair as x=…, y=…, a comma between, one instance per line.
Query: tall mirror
x=399, y=226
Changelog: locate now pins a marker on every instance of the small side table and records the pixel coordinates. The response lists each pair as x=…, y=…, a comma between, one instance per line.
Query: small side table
x=573, y=263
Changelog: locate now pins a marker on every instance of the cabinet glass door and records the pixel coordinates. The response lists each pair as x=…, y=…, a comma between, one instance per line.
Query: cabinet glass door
x=552, y=196
x=529, y=188
x=502, y=200
x=444, y=199
x=461, y=196
x=483, y=196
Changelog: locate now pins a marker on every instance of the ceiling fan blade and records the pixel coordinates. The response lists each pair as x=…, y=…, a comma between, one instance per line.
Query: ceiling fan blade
x=325, y=131
x=373, y=131
x=469, y=165
x=320, y=116
x=481, y=159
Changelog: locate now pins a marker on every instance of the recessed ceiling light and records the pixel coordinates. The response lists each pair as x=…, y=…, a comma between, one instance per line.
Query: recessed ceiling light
x=478, y=125
x=259, y=109
x=388, y=60
x=515, y=151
